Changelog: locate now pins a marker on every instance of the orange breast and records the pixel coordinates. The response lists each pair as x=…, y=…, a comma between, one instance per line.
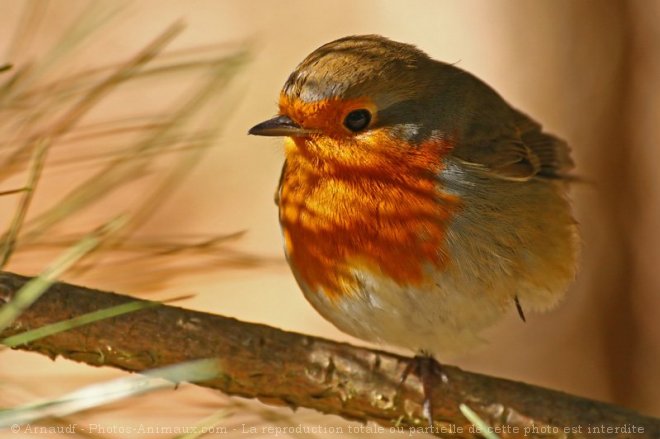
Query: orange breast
x=388, y=216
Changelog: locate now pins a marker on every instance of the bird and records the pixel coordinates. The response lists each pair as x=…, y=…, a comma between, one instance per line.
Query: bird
x=417, y=206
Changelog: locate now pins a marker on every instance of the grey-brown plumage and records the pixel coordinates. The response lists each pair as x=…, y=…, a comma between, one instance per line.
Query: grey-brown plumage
x=431, y=98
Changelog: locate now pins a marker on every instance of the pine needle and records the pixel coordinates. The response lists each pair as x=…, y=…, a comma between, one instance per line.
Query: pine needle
x=34, y=288
x=85, y=319
x=205, y=426
x=8, y=241
x=481, y=426
x=111, y=391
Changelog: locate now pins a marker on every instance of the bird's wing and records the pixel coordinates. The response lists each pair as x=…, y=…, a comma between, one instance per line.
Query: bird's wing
x=518, y=151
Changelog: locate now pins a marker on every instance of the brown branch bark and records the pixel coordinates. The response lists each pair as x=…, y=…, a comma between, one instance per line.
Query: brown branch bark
x=285, y=368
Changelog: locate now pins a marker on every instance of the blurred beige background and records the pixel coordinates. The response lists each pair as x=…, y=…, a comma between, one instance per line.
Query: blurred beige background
x=587, y=70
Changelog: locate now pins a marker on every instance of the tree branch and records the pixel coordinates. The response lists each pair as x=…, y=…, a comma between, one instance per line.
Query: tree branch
x=285, y=368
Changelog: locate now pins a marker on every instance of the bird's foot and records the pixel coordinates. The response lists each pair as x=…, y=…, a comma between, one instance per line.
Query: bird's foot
x=426, y=368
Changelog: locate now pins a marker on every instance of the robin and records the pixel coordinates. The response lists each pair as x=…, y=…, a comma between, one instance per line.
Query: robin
x=417, y=206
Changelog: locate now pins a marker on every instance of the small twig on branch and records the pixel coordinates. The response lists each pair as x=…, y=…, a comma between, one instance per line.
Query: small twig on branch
x=285, y=368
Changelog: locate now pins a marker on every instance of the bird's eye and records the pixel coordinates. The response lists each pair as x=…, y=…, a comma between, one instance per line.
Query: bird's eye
x=357, y=120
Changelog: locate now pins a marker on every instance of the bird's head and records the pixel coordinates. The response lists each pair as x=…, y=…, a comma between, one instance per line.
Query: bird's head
x=358, y=101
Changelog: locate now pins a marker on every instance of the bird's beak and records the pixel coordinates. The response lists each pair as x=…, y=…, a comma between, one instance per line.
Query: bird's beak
x=280, y=126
